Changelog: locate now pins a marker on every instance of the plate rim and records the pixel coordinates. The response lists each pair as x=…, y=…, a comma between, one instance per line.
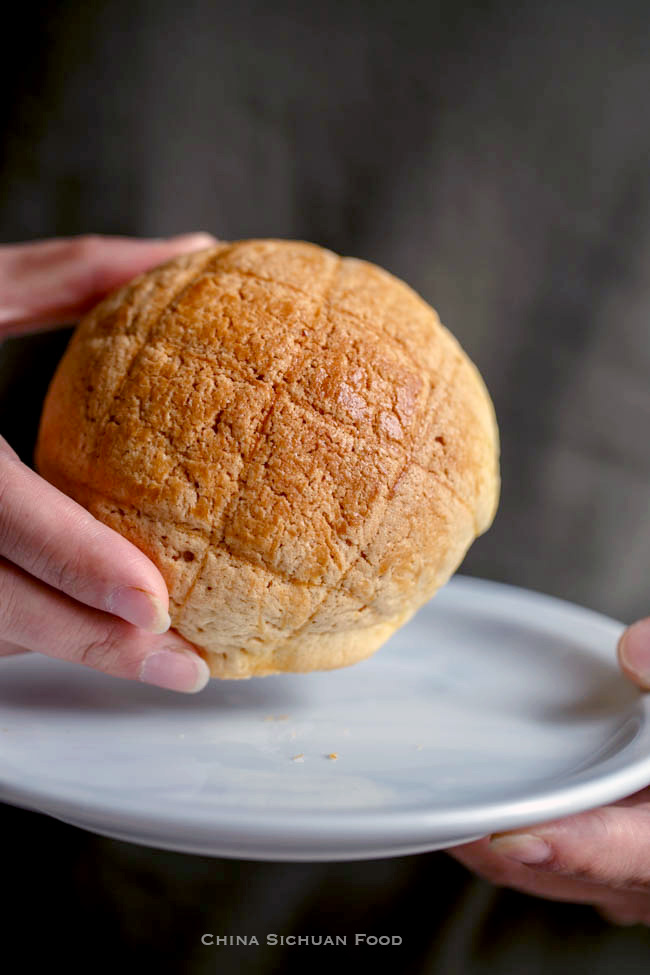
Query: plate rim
x=414, y=827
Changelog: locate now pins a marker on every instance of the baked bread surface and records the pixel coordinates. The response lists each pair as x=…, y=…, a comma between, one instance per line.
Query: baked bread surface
x=294, y=439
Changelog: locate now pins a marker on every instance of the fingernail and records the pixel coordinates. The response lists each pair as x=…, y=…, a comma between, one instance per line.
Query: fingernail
x=141, y=608
x=634, y=649
x=193, y=242
x=175, y=670
x=522, y=847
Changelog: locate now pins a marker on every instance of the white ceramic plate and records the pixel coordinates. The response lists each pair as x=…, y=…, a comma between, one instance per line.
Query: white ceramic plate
x=494, y=708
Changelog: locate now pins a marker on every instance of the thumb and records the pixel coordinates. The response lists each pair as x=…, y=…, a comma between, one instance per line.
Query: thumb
x=634, y=653
x=606, y=847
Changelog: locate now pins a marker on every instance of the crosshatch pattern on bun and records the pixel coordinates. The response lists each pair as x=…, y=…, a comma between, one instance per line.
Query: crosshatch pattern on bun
x=293, y=438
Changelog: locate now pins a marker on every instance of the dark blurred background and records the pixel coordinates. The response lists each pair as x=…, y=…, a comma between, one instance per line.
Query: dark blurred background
x=495, y=156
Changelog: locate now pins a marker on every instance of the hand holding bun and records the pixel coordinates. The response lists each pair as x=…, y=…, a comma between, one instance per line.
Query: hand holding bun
x=293, y=438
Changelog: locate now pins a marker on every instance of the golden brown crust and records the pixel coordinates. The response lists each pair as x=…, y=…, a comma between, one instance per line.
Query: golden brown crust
x=294, y=439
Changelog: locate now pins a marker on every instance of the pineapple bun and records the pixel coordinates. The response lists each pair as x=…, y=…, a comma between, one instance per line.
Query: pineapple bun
x=292, y=437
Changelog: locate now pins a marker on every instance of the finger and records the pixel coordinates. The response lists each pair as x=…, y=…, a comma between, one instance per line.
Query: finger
x=8, y=649
x=480, y=858
x=39, y=618
x=634, y=653
x=626, y=916
x=52, y=282
x=625, y=908
x=607, y=847
x=55, y=539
